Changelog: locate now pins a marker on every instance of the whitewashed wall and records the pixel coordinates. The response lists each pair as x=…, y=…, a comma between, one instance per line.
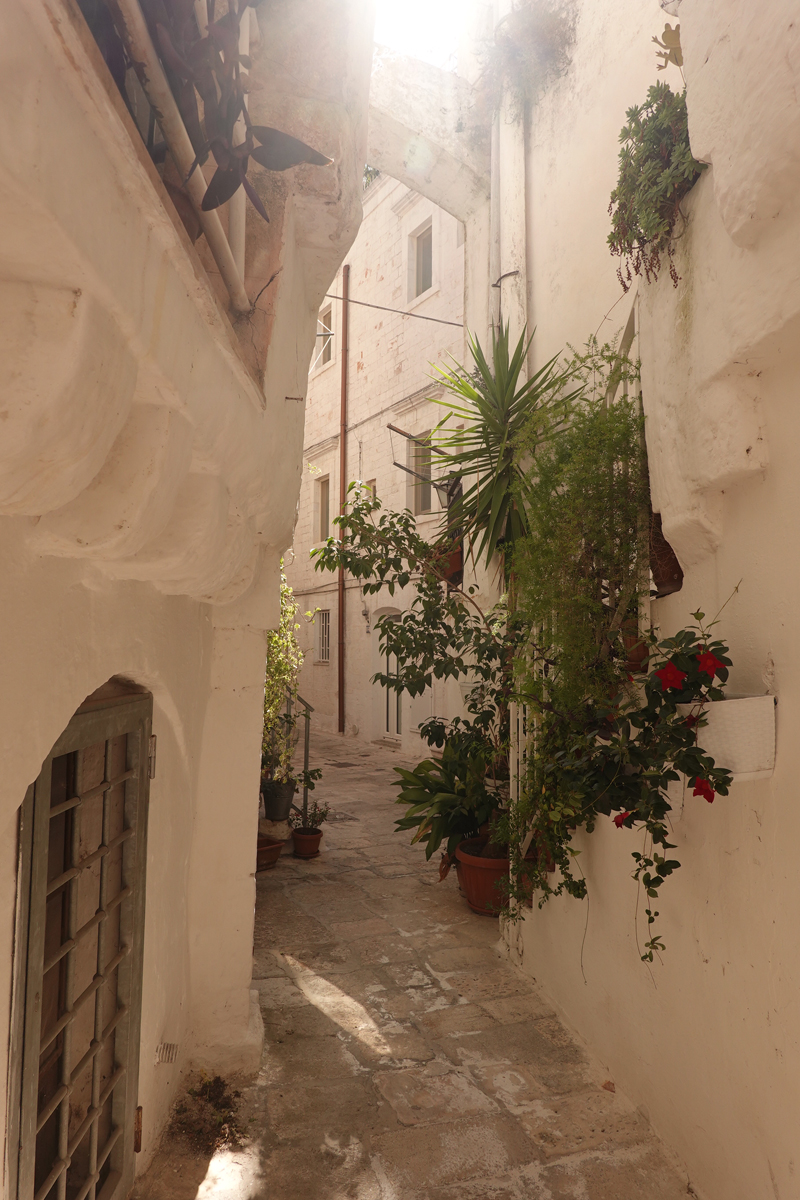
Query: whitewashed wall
x=706, y=1042
x=148, y=480
x=389, y=378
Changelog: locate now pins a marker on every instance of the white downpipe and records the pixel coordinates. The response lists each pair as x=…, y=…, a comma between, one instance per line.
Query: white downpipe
x=237, y=205
x=158, y=93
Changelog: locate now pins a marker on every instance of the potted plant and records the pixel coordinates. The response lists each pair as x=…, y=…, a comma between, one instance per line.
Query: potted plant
x=279, y=781
x=307, y=827
x=454, y=801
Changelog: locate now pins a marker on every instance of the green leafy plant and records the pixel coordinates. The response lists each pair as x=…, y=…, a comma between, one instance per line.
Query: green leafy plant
x=494, y=404
x=284, y=660
x=446, y=800
x=444, y=633
x=312, y=817
x=656, y=170
x=620, y=757
x=583, y=568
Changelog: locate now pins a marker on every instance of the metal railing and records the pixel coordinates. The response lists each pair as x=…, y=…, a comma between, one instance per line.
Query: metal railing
x=307, y=711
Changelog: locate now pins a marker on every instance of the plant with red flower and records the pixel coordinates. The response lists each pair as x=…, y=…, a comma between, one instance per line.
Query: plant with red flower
x=692, y=720
x=670, y=676
x=703, y=788
x=621, y=818
x=708, y=664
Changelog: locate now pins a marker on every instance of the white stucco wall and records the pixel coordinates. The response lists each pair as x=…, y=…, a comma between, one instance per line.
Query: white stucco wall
x=148, y=481
x=706, y=1042
x=389, y=378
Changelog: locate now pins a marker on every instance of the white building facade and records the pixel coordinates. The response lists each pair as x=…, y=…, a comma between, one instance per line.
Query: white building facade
x=706, y=1042
x=404, y=317
x=151, y=405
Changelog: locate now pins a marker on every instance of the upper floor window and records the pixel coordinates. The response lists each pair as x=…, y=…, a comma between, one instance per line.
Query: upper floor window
x=323, y=647
x=422, y=489
x=421, y=256
x=324, y=348
x=323, y=507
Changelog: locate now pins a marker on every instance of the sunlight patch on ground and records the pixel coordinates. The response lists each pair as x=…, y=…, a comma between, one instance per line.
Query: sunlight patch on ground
x=232, y=1175
x=348, y=1014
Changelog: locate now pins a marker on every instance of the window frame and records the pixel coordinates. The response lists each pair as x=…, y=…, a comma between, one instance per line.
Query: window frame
x=322, y=648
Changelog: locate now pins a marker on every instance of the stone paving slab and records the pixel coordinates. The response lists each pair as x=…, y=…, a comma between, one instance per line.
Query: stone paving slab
x=405, y=1057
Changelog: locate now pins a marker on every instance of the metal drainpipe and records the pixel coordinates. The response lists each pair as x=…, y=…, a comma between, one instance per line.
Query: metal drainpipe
x=157, y=90
x=343, y=482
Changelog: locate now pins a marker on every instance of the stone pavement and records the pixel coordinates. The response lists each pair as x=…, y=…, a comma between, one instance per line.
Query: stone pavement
x=405, y=1058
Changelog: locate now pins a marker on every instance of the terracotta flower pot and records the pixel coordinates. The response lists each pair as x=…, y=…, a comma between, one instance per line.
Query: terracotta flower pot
x=306, y=842
x=481, y=878
x=267, y=853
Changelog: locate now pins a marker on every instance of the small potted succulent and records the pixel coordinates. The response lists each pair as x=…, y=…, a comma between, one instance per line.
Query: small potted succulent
x=307, y=826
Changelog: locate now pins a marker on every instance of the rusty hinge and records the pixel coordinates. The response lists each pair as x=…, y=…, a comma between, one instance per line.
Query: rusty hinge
x=151, y=758
x=137, y=1131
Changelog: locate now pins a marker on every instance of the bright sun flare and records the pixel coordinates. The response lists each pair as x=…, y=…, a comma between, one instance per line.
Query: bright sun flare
x=426, y=29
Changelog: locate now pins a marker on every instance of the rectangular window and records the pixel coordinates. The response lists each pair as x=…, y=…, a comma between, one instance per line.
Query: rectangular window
x=372, y=484
x=323, y=508
x=420, y=455
x=323, y=620
x=423, y=273
x=325, y=336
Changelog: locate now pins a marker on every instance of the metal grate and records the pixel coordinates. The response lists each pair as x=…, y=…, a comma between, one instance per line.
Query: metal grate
x=167, y=1052
x=79, y=985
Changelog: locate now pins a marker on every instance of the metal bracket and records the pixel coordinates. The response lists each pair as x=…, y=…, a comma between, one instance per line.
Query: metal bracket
x=151, y=758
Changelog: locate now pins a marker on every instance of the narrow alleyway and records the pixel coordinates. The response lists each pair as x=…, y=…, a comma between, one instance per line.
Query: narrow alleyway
x=404, y=1058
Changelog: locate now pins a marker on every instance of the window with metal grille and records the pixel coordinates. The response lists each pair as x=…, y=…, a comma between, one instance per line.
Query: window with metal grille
x=324, y=635
x=78, y=959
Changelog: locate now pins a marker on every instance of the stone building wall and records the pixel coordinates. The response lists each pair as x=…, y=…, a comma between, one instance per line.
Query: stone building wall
x=389, y=378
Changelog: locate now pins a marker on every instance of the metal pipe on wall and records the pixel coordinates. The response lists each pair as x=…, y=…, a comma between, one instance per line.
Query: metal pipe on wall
x=342, y=484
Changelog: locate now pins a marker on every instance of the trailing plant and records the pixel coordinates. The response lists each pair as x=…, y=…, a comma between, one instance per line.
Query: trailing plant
x=620, y=757
x=583, y=567
x=531, y=48
x=656, y=170
x=284, y=660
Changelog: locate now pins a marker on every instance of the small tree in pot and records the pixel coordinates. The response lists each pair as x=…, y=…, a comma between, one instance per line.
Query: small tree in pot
x=279, y=779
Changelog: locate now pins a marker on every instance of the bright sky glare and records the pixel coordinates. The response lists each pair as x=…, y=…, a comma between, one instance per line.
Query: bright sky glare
x=426, y=29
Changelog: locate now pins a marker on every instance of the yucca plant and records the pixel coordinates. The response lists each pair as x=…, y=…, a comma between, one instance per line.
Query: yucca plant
x=496, y=403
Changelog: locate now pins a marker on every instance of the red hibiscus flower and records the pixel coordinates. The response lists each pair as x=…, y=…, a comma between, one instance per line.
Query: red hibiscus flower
x=703, y=788
x=708, y=663
x=620, y=818
x=671, y=676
